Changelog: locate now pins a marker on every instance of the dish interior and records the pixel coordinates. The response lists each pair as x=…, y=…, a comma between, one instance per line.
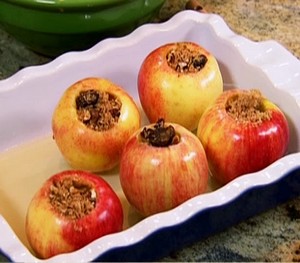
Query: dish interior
x=28, y=154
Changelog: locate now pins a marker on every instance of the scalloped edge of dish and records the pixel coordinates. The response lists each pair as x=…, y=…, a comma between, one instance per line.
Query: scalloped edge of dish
x=269, y=64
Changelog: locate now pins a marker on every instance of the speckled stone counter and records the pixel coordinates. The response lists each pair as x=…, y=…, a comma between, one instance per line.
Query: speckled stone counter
x=257, y=20
x=275, y=234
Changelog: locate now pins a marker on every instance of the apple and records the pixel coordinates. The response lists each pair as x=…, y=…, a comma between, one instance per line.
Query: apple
x=177, y=82
x=70, y=210
x=242, y=132
x=91, y=123
x=162, y=165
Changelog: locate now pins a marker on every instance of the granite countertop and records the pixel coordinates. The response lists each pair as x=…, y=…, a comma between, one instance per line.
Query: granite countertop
x=273, y=235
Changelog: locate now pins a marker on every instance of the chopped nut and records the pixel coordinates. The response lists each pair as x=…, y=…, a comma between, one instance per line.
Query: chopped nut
x=98, y=110
x=247, y=107
x=72, y=197
x=184, y=60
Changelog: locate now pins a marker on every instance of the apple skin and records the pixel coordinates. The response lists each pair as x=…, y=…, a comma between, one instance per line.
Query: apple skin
x=84, y=148
x=156, y=179
x=177, y=97
x=233, y=148
x=50, y=233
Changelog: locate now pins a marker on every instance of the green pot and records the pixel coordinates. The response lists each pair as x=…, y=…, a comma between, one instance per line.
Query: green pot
x=53, y=27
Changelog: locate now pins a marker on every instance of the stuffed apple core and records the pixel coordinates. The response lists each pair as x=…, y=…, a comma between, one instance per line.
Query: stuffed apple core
x=98, y=110
x=183, y=59
x=72, y=197
x=160, y=135
x=248, y=107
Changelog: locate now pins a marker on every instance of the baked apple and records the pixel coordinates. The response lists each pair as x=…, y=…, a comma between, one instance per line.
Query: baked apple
x=162, y=165
x=91, y=123
x=242, y=132
x=70, y=210
x=177, y=81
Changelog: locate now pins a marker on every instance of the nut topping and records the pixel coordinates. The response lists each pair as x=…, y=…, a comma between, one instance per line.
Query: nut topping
x=98, y=110
x=185, y=60
x=248, y=107
x=72, y=197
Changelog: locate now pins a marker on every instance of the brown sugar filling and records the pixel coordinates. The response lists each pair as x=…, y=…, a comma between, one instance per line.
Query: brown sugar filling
x=72, y=197
x=98, y=110
x=185, y=60
x=248, y=107
x=160, y=135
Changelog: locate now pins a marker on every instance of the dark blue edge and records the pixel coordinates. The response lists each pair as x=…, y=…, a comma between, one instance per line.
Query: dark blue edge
x=4, y=257
x=205, y=223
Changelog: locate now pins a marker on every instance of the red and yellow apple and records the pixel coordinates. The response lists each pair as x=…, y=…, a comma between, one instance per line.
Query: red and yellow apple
x=91, y=123
x=70, y=210
x=177, y=82
x=242, y=132
x=162, y=165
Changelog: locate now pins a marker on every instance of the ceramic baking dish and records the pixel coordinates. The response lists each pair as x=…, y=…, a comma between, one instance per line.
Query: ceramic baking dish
x=28, y=155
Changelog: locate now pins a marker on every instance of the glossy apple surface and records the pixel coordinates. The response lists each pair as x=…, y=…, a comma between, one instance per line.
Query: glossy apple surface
x=179, y=94
x=158, y=178
x=237, y=145
x=53, y=227
x=83, y=147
